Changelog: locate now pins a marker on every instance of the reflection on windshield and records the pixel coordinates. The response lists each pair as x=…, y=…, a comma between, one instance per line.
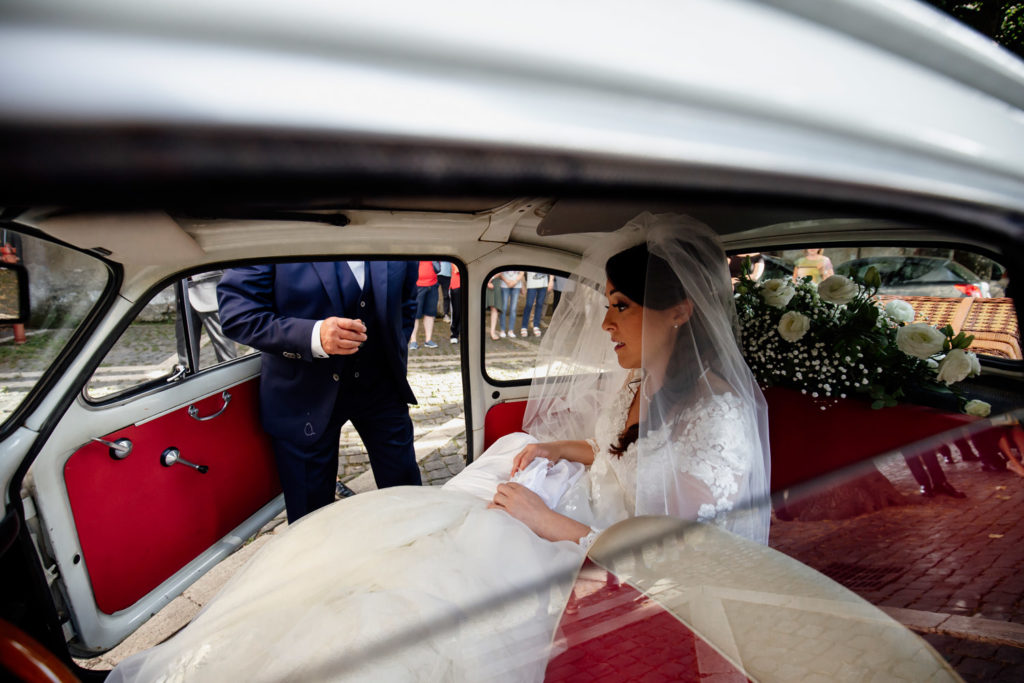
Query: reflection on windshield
x=65, y=285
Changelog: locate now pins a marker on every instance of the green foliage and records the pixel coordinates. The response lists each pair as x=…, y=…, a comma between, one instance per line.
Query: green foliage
x=1000, y=20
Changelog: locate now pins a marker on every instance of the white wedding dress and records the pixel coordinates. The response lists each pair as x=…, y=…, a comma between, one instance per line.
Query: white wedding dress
x=427, y=584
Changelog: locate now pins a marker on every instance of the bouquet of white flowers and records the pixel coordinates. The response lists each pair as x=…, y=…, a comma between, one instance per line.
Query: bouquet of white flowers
x=836, y=339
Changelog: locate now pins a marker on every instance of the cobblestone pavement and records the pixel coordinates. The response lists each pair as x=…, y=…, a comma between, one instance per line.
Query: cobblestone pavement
x=949, y=569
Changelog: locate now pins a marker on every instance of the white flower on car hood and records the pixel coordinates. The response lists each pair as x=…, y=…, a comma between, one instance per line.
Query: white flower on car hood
x=957, y=366
x=919, y=340
x=900, y=311
x=838, y=290
x=978, y=408
x=793, y=326
x=777, y=292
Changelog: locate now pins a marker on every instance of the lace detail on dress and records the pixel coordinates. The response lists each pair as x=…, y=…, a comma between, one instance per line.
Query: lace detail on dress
x=708, y=443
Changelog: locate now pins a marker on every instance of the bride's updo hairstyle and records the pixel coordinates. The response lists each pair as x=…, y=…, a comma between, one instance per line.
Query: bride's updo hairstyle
x=630, y=271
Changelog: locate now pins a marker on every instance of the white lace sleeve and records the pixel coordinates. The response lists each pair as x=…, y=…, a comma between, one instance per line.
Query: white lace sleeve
x=694, y=469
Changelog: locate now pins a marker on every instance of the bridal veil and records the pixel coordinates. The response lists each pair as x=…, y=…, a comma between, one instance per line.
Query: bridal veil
x=706, y=379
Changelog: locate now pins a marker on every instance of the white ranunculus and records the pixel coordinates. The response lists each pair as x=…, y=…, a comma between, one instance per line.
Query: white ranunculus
x=919, y=340
x=978, y=408
x=837, y=290
x=777, y=292
x=955, y=367
x=793, y=326
x=900, y=311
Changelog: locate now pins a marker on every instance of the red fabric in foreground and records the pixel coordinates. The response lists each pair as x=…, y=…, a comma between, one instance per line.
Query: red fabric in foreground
x=139, y=522
x=807, y=441
x=612, y=632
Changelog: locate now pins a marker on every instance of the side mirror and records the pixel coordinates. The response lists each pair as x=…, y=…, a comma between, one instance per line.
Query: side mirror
x=14, y=301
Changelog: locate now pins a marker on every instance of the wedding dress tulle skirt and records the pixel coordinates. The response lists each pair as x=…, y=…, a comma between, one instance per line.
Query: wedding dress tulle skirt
x=403, y=584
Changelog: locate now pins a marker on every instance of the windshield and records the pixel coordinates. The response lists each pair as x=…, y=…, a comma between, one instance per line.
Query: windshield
x=64, y=286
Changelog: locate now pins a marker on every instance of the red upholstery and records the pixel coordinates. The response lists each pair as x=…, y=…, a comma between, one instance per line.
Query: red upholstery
x=502, y=419
x=139, y=522
x=807, y=441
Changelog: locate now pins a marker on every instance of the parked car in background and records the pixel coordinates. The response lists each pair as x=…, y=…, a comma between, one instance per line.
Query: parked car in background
x=144, y=144
x=919, y=276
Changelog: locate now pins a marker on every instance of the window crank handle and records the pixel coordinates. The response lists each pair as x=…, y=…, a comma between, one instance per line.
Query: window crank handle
x=173, y=457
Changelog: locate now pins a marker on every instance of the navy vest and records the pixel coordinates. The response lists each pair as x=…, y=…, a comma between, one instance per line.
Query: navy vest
x=367, y=367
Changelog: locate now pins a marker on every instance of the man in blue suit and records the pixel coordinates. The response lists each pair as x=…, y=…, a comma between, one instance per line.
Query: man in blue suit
x=334, y=339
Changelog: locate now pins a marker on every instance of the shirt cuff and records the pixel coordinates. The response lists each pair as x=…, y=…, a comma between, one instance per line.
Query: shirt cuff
x=314, y=343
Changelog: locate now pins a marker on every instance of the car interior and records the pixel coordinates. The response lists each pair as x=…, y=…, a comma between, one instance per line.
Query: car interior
x=123, y=294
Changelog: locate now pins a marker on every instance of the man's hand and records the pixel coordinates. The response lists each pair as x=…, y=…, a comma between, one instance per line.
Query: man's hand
x=342, y=336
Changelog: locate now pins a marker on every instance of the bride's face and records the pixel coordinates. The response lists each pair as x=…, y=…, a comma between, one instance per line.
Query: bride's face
x=624, y=322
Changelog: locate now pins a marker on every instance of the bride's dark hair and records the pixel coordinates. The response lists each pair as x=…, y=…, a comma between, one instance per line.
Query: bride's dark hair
x=629, y=271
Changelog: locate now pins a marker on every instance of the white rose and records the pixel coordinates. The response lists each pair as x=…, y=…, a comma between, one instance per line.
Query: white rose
x=978, y=408
x=777, y=292
x=837, y=290
x=975, y=364
x=900, y=311
x=793, y=325
x=955, y=367
x=919, y=340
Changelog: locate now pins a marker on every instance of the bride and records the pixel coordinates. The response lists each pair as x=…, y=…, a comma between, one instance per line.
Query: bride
x=641, y=405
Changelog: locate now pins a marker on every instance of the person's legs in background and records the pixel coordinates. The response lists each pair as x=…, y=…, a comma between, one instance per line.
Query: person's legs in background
x=928, y=473
x=445, y=281
x=513, y=295
x=506, y=298
x=539, y=295
x=429, y=311
x=456, y=304
x=421, y=297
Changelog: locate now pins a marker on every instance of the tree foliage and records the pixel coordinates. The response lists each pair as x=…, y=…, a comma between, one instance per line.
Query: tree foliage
x=1000, y=20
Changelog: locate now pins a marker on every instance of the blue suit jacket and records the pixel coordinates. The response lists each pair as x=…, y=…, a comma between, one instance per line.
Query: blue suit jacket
x=274, y=307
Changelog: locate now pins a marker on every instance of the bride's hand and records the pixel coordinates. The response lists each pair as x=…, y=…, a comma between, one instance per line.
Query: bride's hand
x=523, y=504
x=532, y=452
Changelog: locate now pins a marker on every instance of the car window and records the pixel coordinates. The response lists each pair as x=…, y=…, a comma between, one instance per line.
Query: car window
x=64, y=286
x=958, y=287
x=518, y=305
x=176, y=334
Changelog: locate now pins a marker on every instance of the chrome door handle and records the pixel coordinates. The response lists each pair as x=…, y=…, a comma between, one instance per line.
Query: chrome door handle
x=193, y=412
x=119, y=450
x=172, y=456
x=179, y=372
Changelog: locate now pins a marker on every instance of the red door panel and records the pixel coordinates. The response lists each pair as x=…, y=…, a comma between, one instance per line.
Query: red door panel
x=166, y=516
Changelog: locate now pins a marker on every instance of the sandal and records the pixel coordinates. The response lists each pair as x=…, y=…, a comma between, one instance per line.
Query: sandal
x=522, y=332
x=536, y=332
x=494, y=336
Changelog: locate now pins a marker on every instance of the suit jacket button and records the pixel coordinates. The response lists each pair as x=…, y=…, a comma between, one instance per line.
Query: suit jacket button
x=356, y=375
x=335, y=376
x=362, y=304
x=290, y=354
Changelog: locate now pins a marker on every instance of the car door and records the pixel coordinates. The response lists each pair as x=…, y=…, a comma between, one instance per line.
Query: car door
x=156, y=471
